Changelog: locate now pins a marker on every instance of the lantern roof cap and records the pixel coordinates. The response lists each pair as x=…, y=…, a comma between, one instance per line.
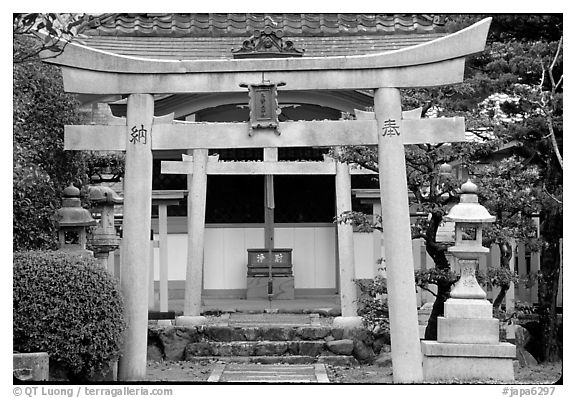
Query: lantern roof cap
x=469, y=210
x=469, y=188
x=72, y=214
x=71, y=192
x=445, y=168
x=74, y=217
x=101, y=194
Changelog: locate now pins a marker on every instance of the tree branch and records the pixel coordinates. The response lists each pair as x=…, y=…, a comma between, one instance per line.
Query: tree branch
x=554, y=142
x=428, y=290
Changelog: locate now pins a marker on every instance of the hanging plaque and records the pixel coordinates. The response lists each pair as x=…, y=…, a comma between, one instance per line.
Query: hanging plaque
x=263, y=104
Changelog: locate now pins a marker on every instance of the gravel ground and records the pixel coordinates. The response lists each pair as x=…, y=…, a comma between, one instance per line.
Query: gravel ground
x=170, y=371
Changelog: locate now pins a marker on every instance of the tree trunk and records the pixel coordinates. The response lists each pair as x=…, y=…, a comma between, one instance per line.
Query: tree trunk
x=438, y=254
x=551, y=230
x=505, y=256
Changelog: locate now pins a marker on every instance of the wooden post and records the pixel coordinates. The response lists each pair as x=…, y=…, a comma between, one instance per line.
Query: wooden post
x=510, y=293
x=136, y=239
x=151, y=274
x=196, y=219
x=404, y=336
x=270, y=155
x=110, y=264
x=163, y=232
x=345, y=243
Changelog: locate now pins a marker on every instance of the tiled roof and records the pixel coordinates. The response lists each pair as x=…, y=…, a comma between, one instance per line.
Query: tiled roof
x=242, y=25
x=209, y=36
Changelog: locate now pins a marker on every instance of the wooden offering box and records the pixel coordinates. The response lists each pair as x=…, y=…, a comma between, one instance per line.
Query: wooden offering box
x=259, y=262
x=259, y=270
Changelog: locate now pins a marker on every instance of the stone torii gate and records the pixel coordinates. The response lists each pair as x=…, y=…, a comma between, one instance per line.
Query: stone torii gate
x=270, y=166
x=437, y=62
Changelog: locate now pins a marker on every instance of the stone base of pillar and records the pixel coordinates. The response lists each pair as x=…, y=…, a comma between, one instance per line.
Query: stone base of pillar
x=347, y=322
x=449, y=362
x=191, y=320
x=468, y=347
x=165, y=322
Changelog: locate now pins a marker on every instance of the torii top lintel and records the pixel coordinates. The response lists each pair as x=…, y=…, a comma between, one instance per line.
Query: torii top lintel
x=437, y=62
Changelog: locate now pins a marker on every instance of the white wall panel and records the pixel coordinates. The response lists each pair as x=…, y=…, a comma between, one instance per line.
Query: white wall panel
x=325, y=257
x=364, y=261
x=234, y=265
x=214, y=250
x=225, y=255
x=304, y=258
x=176, y=257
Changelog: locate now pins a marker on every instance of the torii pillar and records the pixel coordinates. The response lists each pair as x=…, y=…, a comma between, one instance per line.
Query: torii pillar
x=136, y=243
x=404, y=336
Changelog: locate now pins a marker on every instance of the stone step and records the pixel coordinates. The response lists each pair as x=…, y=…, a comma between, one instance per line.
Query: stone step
x=275, y=320
x=250, y=333
x=178, y=343
x=254, y=348
x=335, y=360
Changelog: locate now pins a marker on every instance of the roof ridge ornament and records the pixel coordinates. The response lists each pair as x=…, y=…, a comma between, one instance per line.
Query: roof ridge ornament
x=267, y=43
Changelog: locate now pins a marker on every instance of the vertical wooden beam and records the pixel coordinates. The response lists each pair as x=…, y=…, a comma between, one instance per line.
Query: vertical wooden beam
x=110, y=264
x=535, y=265
x=510, y=292
x=345, y=243
x=416, y=248
x=196, y=220
x=163, y=232
x=270, y=155
x=136, y=238
x=378, y=241
x=404, y=335
x=151, y=274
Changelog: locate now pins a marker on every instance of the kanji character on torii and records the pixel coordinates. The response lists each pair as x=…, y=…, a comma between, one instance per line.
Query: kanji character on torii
x=437, y=62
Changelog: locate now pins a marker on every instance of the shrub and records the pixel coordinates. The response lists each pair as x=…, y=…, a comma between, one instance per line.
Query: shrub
x=371, y=307
x=68, y=306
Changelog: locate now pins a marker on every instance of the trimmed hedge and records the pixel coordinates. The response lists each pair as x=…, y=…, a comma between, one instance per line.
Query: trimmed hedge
x=68, y=306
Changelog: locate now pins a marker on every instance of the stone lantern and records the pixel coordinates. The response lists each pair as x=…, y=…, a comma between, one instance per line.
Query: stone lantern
x=469, y=217
x=104, y=239
x=468, y=346
x=72, y=220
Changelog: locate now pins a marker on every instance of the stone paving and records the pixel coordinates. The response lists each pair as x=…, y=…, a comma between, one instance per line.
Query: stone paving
x=264, y=319
x=257, y=373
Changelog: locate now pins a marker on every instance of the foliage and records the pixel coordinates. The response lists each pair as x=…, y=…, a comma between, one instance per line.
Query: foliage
x=372, y=307
x=512, y=100
x=49, y=31
x=42, y=169
x=434, y=276
x=41, y=166
x=68, y=306
x=509, y=188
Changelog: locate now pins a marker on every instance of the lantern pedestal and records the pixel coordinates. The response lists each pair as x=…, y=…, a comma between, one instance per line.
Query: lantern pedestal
x=468, y=346
x=468, y=362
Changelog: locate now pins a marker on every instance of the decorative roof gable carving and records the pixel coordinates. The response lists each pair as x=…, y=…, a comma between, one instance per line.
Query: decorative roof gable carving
x=267, y=43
